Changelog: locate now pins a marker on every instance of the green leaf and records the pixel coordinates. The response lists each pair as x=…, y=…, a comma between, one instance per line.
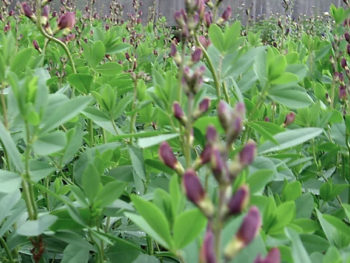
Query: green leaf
x=290, y=95
x=91, y=182
x=11, y=149
x=82, y=82
x=232, y=34
x=154, y=140
x=299, y=253
x=64, y=112
x=109, y=69
x=187, y=227
x=217, y=37
x=33, y=228
x=138, y=165
x=109, y=193
x=285, y=214
x=332, y=256
x=73, y=253
x=290, y=138
x=9, y=181
x=154, y=218
x=94, y=53
x=260, y=129
x=21, y=60
x=49, y=143
x=258, y=180
x=292, y=191
x=100, y=118
x=285, y=78
x=336, y=231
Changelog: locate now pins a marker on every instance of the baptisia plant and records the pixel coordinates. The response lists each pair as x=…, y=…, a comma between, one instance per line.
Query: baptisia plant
x=217, y=154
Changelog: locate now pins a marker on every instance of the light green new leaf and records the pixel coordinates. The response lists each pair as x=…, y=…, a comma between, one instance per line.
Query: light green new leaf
x=154, y=140
x=109, y=193
x=154, y=218
x=217, y=37
x=290, y=139
x=299, y=253
x=187, y=227
x=91, y=182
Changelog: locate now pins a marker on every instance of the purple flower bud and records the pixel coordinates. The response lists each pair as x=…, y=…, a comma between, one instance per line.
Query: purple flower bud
x=196, y=55
x=224, y=114
x=66, y=21
x=208, y=18
x=167, y=156
x=46, y=11
x=193, y=187
x=173, y=50
x=54, y=14
x=338, y=76
x=273, y=256
x=240, y=109
x=247, y=154
x=205, y=42
x=235, y=128
x=250, y=226
x=289, y=119
x=206, y=154
x=179, y=113
x=347, y=37
x=343, y=63
x=211, y=135
x=218, y=165
x=207, y=253
x=7, y=27
x=11, y=13
x=267, y=119
x=106, y=27
x=127, y=56
x=238, y=201
x=27, y=10
x=342, y=92
x=204, y=105
x=227, y=13
x=36, y=45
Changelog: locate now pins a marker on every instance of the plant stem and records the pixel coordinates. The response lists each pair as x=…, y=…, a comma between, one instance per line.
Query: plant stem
x=188, y=130
x=7, y=250
x=3, y=105
x=52, y=38
x=211, y=68
x=133, y=107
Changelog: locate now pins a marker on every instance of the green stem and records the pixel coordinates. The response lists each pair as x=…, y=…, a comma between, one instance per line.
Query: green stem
x=91, y=132
x=133, y=109
x=211, y=68
x=188, y=130
x=52, y=38
x=7, y=250
x=3, y=105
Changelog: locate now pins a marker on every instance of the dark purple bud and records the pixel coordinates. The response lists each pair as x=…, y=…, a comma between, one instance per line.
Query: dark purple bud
x=179, y=113
x=205, y=42
x=238, y=201
x=106, y=27
x=127, y=56
x=7, y=27
x=36, y=45
x=343, y=63
x=206, y=154
x=267, y=119
x=227, y=13
x=247, y=154
x=193, y=187
x=338, y=76
x=289, y=119
x=279, y=24
x=66, y=21
x=207, y=254
x=217, y=164
x=347, y=37
x=173, y=49
x=46, y=11
x=27, y=10
x=273, y=256
x=250, y=226
x=342, y=92
x=11, y=13
x=196, y=55
x=224, y=114
x=204, y=105
x=167, y=156
x=54, y=14
x=208, y=18
x=211, y=135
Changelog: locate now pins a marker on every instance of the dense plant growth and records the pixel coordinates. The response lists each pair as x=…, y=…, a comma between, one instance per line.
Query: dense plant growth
x=124, y=140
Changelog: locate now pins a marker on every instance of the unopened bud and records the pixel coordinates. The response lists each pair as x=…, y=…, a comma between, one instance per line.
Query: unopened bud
x=245, y=234
x=224, y=114
x=27, y=10
x=66, y=21
x=227, y=14
x=166, y=154
x=348, y=49
x=273, y=256
x=238, y=201
x=196, y=55
x=343, y=63
x=207, y=253
x=179, y=114
x=204, y=41
x=247, y=154
x=289, y=119
x=342, y=92
x=218, y=164
x=211, y=135
x=347, y=37
x=208, y=18
x=202, y=108
x=36, y=45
